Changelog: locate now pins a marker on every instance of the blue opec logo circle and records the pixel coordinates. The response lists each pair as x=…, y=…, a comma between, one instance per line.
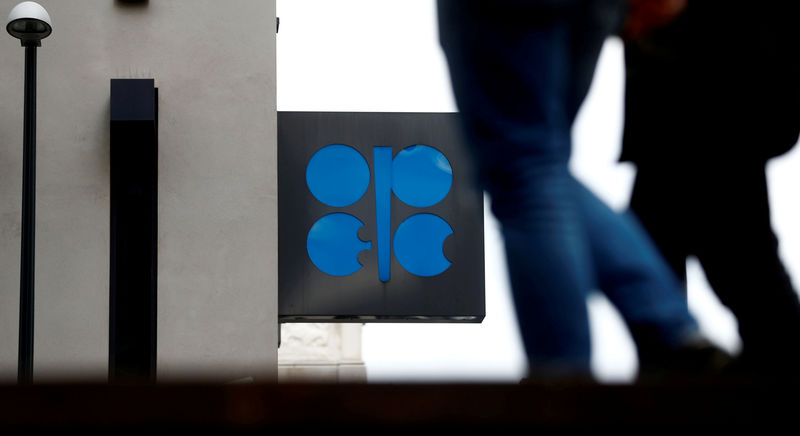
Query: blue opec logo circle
x=420, y=176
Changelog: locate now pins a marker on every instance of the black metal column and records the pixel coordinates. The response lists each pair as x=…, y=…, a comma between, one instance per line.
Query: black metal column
x=27, y=259
x=133, y=274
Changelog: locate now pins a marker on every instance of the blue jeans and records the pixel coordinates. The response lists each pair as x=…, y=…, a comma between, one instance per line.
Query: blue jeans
x=520, y=71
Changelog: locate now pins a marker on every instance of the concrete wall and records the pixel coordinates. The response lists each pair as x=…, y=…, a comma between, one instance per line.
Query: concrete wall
x=214, y=65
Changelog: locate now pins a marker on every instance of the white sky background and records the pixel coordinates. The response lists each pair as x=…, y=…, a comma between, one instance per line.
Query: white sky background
x=383, y=55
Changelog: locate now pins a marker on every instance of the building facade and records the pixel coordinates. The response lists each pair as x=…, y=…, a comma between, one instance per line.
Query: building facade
x=213, y=64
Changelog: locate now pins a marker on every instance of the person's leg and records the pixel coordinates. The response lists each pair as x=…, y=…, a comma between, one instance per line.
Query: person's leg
x=515, y=78
x=662, y=206
x=510, y=77
x=637, y=280
x=739, y=254
x=627, y=266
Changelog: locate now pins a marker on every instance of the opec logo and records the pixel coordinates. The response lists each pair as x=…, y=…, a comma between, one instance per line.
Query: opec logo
x=339, y=176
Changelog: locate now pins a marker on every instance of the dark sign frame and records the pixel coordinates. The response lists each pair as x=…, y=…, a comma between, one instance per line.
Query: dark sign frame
x=306, y=294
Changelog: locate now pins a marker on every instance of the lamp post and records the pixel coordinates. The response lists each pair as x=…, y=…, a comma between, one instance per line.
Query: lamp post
x=30, y=23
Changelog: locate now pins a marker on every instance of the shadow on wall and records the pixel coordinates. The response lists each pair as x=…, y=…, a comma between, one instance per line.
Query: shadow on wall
x=133, y=6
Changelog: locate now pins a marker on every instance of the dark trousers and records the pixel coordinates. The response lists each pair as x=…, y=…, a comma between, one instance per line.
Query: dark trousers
x=720, y=214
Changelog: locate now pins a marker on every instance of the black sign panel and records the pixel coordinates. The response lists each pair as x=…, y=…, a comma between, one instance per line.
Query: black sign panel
x=134, y=230
x=379, y=219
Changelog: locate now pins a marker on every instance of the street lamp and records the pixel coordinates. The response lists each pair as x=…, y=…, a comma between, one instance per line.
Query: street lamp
x=30, y=23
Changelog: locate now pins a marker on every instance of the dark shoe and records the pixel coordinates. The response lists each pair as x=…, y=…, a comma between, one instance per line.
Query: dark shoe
x=774, y=366
x=696, y=360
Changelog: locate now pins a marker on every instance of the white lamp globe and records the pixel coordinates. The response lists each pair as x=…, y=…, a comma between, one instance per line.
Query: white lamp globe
x=29, y=21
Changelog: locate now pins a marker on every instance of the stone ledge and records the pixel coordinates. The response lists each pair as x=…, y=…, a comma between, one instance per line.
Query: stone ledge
x=326, y=372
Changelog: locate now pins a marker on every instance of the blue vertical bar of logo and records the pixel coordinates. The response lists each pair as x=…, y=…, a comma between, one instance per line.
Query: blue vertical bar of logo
x=382, y=157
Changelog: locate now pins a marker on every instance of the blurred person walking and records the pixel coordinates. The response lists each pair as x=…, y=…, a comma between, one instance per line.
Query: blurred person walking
x=520, y=71
x=710, y=98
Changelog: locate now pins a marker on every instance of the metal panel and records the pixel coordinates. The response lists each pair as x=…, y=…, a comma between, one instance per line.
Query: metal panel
x=134, y=217
x=379, y=219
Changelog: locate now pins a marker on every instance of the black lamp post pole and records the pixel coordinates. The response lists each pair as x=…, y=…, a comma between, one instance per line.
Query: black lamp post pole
x=27, y=260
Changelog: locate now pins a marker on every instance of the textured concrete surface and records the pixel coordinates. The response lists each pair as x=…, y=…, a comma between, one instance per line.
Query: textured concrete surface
x=321, y=352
